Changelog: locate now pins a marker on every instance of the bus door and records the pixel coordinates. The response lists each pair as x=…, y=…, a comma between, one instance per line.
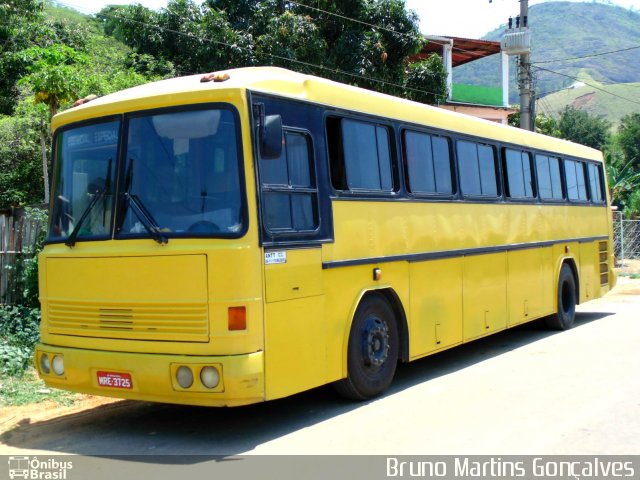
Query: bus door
x=295, y=346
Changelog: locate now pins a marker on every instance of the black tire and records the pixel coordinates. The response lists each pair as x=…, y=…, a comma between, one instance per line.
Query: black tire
x=567, y=299
x=372, y=353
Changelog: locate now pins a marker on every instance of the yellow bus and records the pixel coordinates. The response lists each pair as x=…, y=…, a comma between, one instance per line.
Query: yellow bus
x=244, y=235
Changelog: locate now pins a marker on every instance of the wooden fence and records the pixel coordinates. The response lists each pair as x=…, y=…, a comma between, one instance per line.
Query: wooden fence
x=18, y=236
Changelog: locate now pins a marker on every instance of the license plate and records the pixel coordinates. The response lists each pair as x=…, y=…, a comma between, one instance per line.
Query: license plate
x=114, y=380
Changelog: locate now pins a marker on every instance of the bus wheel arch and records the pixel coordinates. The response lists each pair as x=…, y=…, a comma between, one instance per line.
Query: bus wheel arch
x=374, y=345
x=567, y=297
x=570, y=261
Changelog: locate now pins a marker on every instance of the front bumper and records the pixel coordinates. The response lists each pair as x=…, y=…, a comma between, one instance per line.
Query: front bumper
x=153, y=376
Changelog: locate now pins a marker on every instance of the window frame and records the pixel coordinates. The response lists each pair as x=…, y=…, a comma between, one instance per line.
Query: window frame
x=499, y=196
x=563, y=187
x=292, y=233
x=600, y=179
x=452, y=164
x=122, y=163
x=586, y=180
x=336, y=145
x=57, y=165
x=532, y=172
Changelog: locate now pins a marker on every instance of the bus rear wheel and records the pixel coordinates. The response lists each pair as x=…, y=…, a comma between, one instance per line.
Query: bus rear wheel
x=372, y=353
x=566, y=314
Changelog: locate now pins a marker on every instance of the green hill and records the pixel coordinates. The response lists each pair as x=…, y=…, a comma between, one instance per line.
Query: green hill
x=612, y=106
x=564, y=30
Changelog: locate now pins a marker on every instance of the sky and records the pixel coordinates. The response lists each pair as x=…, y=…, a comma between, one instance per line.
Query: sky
x=455, y=18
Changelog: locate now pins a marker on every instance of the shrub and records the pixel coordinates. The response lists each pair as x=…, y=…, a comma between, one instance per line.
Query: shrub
x=19, y=332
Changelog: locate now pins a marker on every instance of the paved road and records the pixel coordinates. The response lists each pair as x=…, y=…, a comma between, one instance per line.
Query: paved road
x=525, y=391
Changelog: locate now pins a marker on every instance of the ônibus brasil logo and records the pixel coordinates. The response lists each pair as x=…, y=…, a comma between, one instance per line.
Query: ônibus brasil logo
x=35, y=469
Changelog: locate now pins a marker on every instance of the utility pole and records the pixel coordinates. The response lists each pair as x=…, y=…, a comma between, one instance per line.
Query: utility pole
x=524, y=76
x=517, y=41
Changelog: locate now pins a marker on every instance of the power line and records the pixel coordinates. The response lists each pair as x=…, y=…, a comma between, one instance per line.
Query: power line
x=378, y=27
x=588, y=84
x=588, y=56
x=292, y=60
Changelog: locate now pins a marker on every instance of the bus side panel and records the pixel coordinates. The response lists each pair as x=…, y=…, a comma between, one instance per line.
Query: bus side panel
x=588, y=265
x=295, y=352
x=484, y=294
x=436, y=305
x=526, y=271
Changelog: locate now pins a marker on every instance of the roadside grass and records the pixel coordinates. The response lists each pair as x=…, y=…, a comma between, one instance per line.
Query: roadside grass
x=27, y=388
x=19, y=381
x=633, y=276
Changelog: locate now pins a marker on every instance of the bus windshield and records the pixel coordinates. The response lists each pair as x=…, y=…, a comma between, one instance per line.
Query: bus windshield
x=178, y=176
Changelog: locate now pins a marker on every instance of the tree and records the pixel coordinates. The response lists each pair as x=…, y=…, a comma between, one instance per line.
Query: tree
x=21, y=26
x=580, y=127
x=427, y=81
x=54, y=78
x=20, y=160
x=361, y=42
x=629, y=139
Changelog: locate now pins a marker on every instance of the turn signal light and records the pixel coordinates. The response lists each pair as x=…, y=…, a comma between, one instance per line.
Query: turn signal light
x=237, y=317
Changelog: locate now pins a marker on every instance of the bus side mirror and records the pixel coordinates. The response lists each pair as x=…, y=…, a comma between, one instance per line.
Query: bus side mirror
x=271, y=137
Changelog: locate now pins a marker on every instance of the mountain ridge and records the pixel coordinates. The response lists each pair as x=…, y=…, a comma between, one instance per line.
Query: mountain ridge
x=562, y=31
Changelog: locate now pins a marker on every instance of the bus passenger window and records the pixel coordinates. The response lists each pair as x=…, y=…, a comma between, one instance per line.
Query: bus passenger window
x=360, y=154
x=595, y=182
x=549, y=178
x=518, y=170
x=576, y=184
x=289, y=187
x=428, y=163
x=477, y=169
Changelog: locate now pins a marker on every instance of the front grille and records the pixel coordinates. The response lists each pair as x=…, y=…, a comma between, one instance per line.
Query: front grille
x=164, y=321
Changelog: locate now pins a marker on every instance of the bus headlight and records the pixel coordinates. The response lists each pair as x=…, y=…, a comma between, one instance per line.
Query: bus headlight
x=184, y=376
x=58, y=365
x=45, y=365
x=209, y=377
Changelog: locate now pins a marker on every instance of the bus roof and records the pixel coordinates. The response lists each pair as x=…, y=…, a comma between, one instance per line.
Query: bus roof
x=285, y=83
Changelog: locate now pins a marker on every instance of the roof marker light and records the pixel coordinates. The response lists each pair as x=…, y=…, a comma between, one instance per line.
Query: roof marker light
x=82, y=101
x=215, y=77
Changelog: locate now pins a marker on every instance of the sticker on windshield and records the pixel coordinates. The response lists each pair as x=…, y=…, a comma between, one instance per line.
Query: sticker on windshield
x=275, y=257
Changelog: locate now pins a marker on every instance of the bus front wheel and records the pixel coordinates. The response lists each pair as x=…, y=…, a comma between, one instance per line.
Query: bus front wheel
x=566, y=314
x=372, y=353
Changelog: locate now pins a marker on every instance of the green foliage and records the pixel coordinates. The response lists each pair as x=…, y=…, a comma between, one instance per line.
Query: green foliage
x=623, y=179
x=29, y=278
x=291, y=36
x=54, y=74
x=427, y=81
x=21, y=181
x=547, y=125
x=629, y=139
x=632, y=208
x=19, y=332
x=580, y=127
x=370, y=52
x=544, y=124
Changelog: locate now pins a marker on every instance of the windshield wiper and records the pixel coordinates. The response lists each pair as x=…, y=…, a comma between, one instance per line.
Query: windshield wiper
x=146, y=218
x=148, y=222
x=71, y=241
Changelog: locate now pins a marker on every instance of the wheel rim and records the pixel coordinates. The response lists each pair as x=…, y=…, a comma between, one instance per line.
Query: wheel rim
x=375, y=342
